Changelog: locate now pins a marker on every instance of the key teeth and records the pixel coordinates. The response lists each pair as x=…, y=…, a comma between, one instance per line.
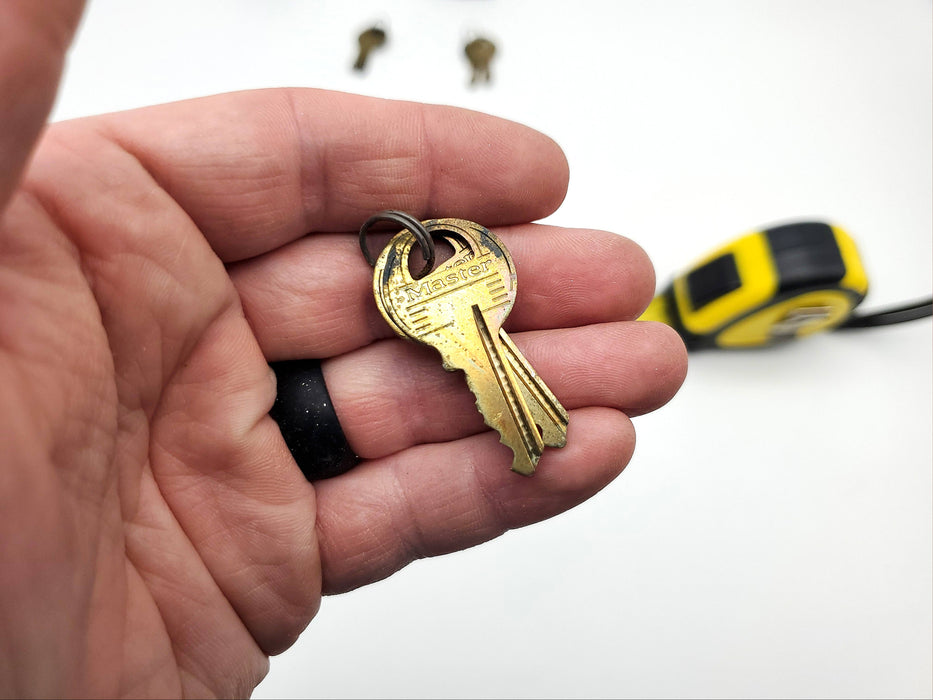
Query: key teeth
x=517, y=461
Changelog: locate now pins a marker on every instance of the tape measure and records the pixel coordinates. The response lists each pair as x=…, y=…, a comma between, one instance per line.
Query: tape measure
x=771, y=286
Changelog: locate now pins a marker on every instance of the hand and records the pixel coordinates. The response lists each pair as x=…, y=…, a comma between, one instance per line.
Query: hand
x=157, y=537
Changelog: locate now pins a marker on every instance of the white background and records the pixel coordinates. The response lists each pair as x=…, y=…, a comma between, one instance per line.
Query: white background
x=772, y=535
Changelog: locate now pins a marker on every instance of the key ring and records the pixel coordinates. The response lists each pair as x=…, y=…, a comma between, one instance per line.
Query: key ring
x=406, y=221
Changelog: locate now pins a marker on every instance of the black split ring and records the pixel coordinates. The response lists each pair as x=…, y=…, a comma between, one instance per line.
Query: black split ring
x=306, y=416
x=409, y=222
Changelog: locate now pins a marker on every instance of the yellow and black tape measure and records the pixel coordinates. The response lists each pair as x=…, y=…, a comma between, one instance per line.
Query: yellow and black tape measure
x=770, y=286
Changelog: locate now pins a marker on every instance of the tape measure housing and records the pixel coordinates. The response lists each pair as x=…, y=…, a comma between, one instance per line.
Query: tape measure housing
x=766, y=287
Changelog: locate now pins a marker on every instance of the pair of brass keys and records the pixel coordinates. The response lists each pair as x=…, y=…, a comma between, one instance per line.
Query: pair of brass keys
x=479, y=52
x=458, y=308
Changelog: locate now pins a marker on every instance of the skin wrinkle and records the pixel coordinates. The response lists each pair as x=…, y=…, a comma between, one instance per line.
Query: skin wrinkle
x=402, y=172
x=61, y=441
x=323, y=311
x=499, y=524
x=626, y=349
x=624, y=260
x=426, y=155
x=248, y=209
x=132, y=570
x=188, y=347
x=108, y=572
x=375, y=181
x=413, y=538
x=89, y=132
x=642, y=353
x=232, y=455
x=328, y=317
x=155, y=194
x=35, y=377
x=405, y=418
x=390, y=171
x=337, y=164
x=353, y=557
x=145, y=578
x=417, y=406
x=232, y=530
x=264, y=316
x=378, y=420
x=523, y=500
x=169, y=180
x=184, y=660
x=274, y=284
x=321, y=165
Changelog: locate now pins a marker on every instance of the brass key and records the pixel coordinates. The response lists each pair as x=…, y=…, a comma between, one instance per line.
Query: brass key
x=480, y=52
x=370, y=39
x=549, y=415
x=458, y=309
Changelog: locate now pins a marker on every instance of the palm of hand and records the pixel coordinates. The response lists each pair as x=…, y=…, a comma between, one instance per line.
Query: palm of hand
x=152, y=263
x=146, y=460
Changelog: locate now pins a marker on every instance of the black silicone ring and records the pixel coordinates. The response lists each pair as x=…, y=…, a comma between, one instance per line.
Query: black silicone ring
x=308, y=422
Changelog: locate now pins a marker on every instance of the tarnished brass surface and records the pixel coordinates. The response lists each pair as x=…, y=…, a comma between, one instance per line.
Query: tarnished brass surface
x=458, y=308
x=372, y=38
x=480, y=52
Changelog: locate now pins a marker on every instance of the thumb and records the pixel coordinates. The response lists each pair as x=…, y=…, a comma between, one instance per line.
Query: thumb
x=34, y=37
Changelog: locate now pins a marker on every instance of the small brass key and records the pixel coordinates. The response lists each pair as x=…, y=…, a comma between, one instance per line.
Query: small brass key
x=370, y=39
x=480, y=53
x=458, y=309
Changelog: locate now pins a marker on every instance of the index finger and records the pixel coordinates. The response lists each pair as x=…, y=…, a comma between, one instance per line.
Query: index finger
x=257, y=169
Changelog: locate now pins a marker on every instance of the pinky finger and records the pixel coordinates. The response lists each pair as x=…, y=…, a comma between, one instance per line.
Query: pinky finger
x=439, y=498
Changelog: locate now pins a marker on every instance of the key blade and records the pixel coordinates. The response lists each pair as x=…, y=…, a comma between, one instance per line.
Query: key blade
x=458, y=309
x=549, y=415
x=370, y=39
x=528, y=448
